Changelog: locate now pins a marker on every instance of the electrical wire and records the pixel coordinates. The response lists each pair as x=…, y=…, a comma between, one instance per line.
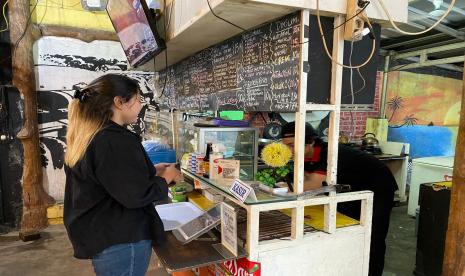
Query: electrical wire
x=391, y=20
x=43, y=16
x=351, y=91
x=367, y=3
x=65, y=6
x=6, y=18
x=24, y=32
x=399, y=68
x=373, y=47
x=166, y=55
x=363, y=85
x=243, y=29
x=225, y=20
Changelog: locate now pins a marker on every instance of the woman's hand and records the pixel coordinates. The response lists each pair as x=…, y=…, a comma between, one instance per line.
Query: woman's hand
x=171, y=174
x=161, y=167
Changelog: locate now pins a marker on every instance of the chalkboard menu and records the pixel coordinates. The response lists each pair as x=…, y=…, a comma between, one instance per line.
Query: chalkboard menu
x=257, y=70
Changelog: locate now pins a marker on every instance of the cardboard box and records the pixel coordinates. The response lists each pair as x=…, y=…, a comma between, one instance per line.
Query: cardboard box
x=229, y=169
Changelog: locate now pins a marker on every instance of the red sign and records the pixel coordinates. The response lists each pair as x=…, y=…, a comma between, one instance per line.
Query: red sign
x=197, y=184
x=243, y=267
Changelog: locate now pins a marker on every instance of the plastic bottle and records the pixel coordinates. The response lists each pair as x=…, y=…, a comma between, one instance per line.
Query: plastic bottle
x=214, y=157
x=206, y=160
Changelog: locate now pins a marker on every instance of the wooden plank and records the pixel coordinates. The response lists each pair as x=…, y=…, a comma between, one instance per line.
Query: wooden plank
x=297, y=215
x=86, y=35
x=320, y=200
x=297, y=225
x=253, y=222
x=321, y=107
x=366, y=214
x=336, y=88
x=300, y=115
x=397, y=8
x=454, y=257
x=330, y=216
x=194, y=27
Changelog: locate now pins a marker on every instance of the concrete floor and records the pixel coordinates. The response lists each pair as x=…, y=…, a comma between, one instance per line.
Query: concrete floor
x=400, y=244
x=52, y=255
x=49, y=256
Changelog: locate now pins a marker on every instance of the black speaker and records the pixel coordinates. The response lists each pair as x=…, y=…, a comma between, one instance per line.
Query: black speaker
x=432, y=227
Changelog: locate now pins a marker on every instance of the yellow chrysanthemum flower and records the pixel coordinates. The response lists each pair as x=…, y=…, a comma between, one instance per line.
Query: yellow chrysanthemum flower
x=276, y=155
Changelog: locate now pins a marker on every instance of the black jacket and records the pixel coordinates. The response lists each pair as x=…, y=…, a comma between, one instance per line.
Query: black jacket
x=362, y=171
x=109, y=194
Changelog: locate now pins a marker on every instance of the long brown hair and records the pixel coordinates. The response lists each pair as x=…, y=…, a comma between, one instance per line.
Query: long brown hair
x=91, y=109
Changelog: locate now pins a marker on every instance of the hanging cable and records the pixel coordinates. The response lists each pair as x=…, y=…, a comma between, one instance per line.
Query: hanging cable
x=225, y=20
x=65, y=6
x=43, y=15
x=391, y=20
x=360, y=90
x=166, y=53
x=42, y=19
x=24, y=32
x=373, y=47
x=351, y=92
x=367, y=3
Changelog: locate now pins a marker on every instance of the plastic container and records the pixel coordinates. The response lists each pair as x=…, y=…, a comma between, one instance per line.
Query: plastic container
x=167, y=156
x=178, y=193
x=213, y=168
x=276, y=191
x=176, y=214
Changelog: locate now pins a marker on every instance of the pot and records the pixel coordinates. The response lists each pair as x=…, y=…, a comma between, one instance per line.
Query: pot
x=369, y=140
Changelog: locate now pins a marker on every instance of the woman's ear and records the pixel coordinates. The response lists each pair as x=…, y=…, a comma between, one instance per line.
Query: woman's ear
x=118, y=102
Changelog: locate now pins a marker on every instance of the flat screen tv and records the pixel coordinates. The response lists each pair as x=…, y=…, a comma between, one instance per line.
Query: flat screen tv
x=136, y=29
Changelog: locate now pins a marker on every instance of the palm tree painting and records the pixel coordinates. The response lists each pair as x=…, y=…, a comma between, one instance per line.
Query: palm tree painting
x=410, y=120
x=395, y=104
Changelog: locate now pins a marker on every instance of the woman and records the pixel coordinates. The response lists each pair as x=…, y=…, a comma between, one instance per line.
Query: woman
x=110, y=182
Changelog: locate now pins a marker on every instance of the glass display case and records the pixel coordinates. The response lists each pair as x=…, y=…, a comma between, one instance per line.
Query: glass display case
x=159, y=126
x=240, y=144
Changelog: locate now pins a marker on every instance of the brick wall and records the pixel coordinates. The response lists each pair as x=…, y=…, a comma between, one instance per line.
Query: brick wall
x=357, y=128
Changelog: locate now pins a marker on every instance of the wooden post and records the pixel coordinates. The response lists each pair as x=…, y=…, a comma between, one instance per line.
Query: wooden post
x=454, y=256
x=35, y=200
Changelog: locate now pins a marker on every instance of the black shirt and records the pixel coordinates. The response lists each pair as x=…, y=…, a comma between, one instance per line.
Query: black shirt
x=109, y=194
x=361, y=170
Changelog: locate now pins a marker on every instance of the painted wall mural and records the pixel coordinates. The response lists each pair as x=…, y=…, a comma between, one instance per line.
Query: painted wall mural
x=69, y=13
x=424, y=110
x=420, y=99
x=60, y=64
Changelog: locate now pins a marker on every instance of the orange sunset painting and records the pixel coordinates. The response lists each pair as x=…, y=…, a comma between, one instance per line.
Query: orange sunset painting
x=420, y=99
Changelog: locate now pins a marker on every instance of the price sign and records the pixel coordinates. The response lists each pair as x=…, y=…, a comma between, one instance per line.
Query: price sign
x=229, y=228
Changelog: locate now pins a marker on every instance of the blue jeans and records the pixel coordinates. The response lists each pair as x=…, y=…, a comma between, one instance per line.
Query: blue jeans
x=128, y=259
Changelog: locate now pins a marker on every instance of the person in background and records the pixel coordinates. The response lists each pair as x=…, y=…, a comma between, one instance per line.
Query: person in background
x=361, y=171
x=110, y=182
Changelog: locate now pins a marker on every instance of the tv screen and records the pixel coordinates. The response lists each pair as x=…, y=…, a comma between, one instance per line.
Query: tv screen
x=135, y=27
